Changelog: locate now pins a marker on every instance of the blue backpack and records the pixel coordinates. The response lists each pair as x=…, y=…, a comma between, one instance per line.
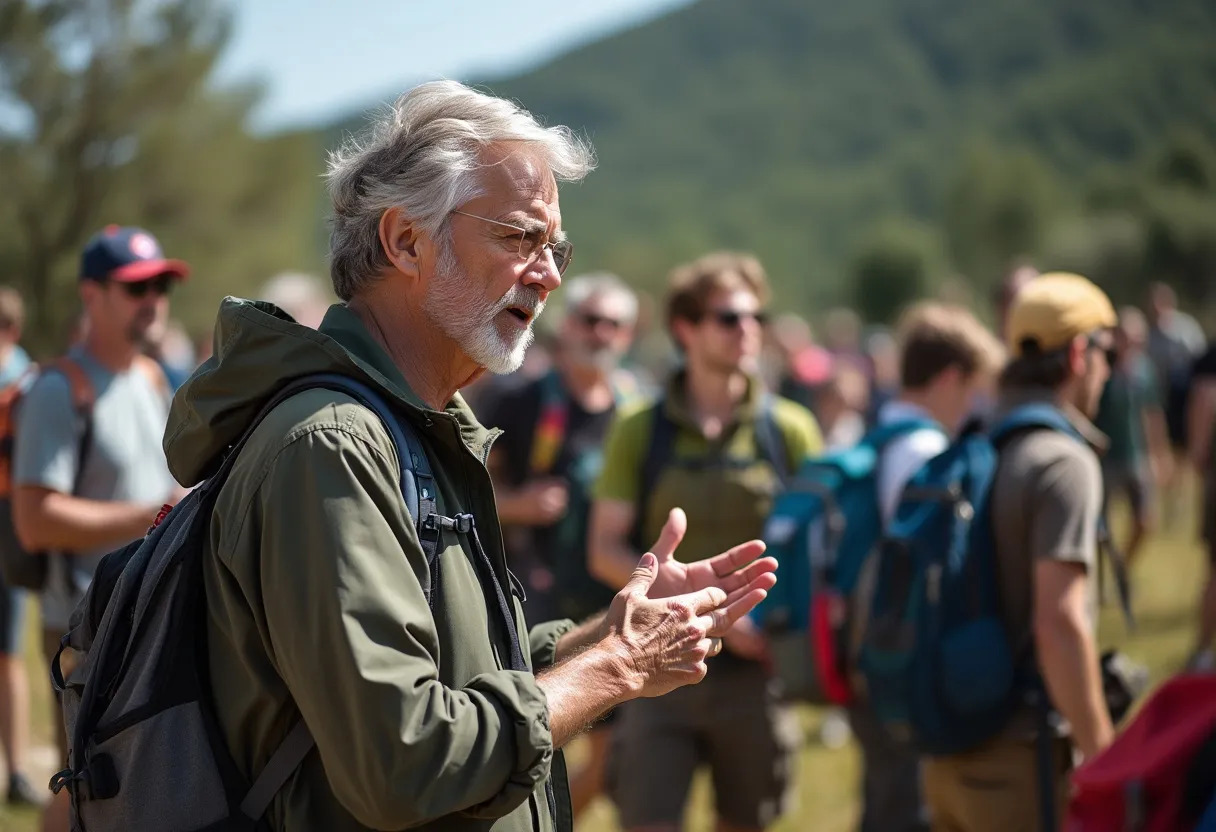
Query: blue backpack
x=821, y=529
x=936, y=661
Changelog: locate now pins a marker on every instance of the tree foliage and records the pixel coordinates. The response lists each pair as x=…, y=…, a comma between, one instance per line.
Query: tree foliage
x=113, y=121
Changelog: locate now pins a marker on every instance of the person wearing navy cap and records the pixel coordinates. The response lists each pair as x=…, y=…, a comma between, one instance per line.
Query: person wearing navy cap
x=89, y=472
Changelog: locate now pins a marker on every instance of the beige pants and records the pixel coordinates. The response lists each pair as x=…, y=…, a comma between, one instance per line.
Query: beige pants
x=994, y=788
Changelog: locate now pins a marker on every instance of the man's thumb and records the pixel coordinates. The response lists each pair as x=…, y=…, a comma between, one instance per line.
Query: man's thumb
x=643, y=575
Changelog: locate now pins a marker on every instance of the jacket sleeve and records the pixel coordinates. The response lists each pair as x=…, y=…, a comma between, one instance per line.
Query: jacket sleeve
x=543, y=639
x=353, y=638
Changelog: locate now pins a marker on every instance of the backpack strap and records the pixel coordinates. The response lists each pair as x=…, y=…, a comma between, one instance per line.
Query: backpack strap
x=83, y=399
x=551, y=426
x=274, y=775
x=770, y=441
x=659, y=450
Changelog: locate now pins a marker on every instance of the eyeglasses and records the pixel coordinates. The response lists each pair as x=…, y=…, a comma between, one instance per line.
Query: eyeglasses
x=730, y=318
x=530, y=243
x=160, y=285
x=592, y=320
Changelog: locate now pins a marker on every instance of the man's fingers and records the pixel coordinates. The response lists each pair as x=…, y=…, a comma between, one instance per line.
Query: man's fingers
x=706, y=600
x=643, y=575
x=671, y=535
x=736, y=557
x=765, y=581
x=749, y=573
x=725, y=617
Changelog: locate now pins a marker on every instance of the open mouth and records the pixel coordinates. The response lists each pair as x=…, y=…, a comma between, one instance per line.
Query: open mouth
x=524, y=316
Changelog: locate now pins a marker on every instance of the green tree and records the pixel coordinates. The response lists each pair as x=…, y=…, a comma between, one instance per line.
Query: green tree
x=895, y=266
x=113, y=121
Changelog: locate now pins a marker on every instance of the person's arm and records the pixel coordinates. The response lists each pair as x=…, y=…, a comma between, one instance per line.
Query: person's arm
x=610, y=556
x=51, y=520
x=1067, y=654
x=1062, y=517
x=46, y=458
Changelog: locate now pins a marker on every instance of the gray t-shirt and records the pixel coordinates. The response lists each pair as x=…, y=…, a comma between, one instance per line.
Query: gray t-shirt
x=125, y=461
x=1046, y=502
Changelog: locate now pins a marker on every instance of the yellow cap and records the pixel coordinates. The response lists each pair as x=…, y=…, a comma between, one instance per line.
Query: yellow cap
x=1054, y=308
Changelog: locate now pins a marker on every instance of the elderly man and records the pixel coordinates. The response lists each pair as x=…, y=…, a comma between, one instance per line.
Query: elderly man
x=446, y=243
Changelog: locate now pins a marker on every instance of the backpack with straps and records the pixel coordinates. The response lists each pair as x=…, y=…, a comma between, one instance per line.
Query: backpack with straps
x=146, y=749
x=821, y=529
x=936, y=661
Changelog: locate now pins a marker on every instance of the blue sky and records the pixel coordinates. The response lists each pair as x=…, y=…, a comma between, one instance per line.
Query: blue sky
x=325, y=58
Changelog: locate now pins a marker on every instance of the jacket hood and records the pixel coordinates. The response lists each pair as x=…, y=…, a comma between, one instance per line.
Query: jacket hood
x=258, y=349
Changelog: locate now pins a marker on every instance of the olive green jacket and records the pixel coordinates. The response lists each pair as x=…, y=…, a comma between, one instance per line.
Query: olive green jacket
x=314, y=578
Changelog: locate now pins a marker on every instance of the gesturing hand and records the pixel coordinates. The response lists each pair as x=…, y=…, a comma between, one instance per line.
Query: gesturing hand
x=743, y=576
x=663, y=643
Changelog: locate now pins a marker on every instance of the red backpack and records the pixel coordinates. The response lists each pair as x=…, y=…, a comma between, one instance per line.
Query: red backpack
x=1140, y=783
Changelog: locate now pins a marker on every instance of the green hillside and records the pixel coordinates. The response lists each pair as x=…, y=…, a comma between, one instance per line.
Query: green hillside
x=966, y=131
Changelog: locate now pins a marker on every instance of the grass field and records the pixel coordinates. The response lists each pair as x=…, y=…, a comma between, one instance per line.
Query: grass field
x=1167, y=579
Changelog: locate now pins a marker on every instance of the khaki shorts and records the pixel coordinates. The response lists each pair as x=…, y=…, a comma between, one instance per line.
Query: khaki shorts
x=731, y=722
x=994, y=788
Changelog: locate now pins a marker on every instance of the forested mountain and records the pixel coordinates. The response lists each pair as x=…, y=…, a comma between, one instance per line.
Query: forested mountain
x=926, y=138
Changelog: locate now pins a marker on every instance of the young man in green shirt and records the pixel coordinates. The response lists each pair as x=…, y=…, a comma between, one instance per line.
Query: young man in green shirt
x=716, y=445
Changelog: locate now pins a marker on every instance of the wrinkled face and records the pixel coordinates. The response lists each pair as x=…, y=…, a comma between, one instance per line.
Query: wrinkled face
x=484, y=293
x=598, y=333
x=132, y=311
x=730, y=334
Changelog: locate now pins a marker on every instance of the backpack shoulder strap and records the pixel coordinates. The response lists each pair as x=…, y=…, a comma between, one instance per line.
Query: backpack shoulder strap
x=83, y=394
x=770, y=440
x=1036, y=416
x=83, y=399
x=659, y=450
x=551, y=424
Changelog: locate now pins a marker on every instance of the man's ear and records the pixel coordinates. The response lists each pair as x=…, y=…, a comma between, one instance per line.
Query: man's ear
x=681, y=332
x=402, y=241
x=1078, y=348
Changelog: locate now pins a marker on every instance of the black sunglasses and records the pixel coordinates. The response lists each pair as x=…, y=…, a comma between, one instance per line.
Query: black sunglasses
x=1109, y=350
x=592, y=320
x=161, y=284
x=729, y=318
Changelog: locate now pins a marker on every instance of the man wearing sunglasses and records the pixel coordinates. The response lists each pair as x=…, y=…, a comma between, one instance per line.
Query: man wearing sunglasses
x=717, y=445
x=89, y=472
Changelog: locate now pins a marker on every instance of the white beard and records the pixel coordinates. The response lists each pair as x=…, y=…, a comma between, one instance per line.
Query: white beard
x=450, y=303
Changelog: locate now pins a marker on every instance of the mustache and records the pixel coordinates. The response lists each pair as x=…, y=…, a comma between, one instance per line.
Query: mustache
x=521, y=297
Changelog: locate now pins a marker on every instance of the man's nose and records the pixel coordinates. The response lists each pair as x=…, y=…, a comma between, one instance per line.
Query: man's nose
x=543, y=273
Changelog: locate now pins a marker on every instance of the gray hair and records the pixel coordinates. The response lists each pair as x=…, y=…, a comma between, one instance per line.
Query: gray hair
x=422, y=156
x=578, y=290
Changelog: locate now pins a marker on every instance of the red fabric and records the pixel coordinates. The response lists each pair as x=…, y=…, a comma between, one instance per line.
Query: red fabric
x=825, y=619
x=1151, y=756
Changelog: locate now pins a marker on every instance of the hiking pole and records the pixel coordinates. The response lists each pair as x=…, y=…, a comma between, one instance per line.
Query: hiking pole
x=1109, y=550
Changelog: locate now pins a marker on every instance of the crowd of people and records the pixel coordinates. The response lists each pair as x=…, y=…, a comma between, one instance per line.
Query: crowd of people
x=615, y=505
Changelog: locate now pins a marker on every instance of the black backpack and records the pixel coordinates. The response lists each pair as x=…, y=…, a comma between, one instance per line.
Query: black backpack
x=146, y=749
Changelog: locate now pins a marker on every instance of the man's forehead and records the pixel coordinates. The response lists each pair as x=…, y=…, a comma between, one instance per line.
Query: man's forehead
x=516, y=176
